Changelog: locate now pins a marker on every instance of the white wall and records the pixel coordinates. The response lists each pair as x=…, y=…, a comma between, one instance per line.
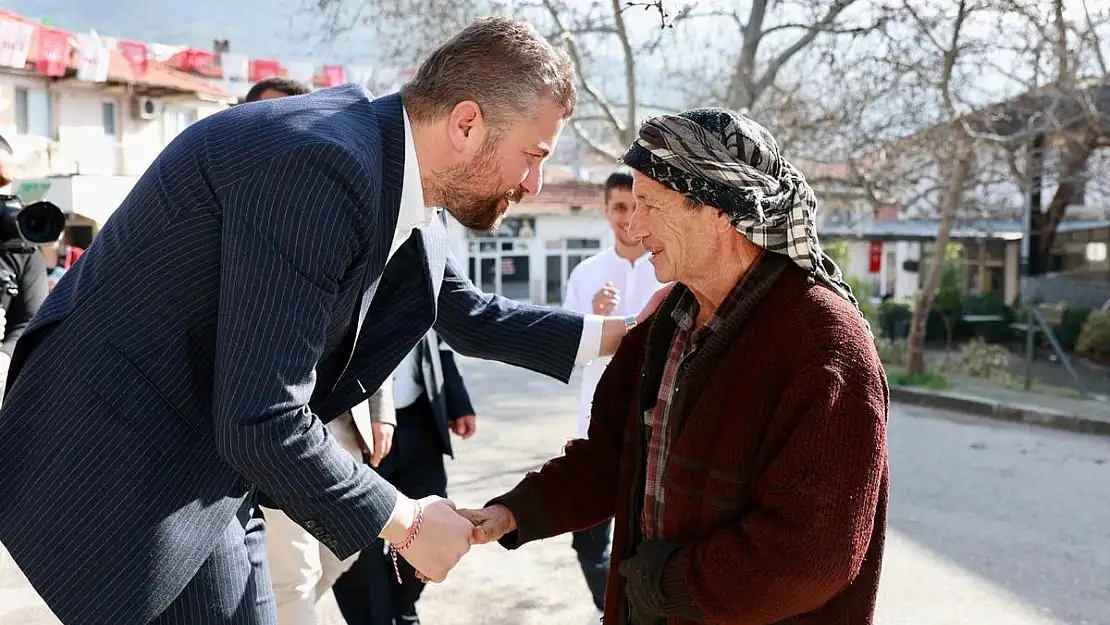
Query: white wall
x=560, y=227
x=890, y=273
x=76, y=118
x=144, y=139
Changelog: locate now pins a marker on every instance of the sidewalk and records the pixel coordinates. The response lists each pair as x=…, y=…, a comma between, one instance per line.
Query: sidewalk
x=968, y=395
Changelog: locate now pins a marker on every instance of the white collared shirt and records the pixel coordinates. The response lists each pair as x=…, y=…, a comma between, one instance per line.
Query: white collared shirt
x=414, y=213
x=635, y=283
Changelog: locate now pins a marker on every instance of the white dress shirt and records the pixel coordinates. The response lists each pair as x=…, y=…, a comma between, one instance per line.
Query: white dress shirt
x=406, y=381
x=635, y=283
x=414, y=213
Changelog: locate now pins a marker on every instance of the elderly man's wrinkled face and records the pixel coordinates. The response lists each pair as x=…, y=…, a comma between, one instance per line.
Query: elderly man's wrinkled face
x=683, y=241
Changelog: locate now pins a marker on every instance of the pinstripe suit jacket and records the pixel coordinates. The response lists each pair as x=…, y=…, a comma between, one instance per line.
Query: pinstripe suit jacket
x=241, y=286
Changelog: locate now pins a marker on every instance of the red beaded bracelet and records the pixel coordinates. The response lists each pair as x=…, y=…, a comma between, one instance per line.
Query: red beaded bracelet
x=418, y=518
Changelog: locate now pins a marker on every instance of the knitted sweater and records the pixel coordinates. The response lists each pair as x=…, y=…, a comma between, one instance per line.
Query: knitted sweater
x=777, y=478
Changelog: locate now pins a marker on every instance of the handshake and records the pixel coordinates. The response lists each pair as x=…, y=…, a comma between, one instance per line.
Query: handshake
x=433, y=536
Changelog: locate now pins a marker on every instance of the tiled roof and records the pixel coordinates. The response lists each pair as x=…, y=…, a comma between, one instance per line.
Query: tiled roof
x=558, y=198
x=157, y=75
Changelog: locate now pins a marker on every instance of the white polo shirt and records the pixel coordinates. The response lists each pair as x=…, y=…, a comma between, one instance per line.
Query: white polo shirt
x=635, y=283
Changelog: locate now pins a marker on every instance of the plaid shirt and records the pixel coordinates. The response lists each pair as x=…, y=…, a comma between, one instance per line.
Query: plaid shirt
x=686, y=341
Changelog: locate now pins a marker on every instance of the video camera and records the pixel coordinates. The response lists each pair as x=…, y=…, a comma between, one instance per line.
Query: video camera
x=24, y=228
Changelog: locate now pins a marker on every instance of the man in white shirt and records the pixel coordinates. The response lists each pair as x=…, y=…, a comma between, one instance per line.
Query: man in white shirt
x=618, y=281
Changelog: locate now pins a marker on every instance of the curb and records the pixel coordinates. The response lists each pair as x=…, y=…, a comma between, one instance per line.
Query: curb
x=1016, y=413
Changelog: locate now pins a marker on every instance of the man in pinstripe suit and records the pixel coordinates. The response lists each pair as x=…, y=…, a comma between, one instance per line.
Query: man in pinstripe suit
x=289, y=262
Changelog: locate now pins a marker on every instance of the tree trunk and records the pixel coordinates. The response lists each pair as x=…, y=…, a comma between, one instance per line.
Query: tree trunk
x=952, y=196
x=1072, y=176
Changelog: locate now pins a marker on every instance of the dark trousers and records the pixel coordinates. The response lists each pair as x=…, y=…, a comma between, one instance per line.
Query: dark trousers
x=232, y=586
x=592, y=547
x=368, y=593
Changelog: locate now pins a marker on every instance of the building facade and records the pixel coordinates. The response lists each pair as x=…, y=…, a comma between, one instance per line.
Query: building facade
x=82, y=143
x=540, y=241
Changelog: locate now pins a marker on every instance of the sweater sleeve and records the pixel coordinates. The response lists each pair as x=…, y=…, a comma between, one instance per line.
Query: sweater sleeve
x=578, y=490
x=815, y=513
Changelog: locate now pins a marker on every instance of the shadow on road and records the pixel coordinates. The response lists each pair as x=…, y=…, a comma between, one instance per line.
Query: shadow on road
x=1022, y=507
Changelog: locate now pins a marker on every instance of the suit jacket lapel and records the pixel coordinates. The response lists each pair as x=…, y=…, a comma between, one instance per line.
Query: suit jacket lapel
x=391, y=128
x=435, y=249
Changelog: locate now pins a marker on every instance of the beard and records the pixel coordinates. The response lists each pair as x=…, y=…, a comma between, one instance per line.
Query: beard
x=463, y=190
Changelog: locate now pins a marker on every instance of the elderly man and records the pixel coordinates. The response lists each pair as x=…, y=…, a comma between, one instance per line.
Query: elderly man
x=738, y=435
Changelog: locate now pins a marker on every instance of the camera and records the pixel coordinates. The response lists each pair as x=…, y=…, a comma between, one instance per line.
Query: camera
x=24, y=228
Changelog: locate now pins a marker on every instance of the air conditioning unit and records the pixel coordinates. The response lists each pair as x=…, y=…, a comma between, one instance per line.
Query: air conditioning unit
x=143, y=107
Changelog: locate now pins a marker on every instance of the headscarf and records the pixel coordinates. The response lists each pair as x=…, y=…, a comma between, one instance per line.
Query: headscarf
x=723, y=159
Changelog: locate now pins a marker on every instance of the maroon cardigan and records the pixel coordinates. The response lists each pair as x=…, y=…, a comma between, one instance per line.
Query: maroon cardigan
x=775, y=508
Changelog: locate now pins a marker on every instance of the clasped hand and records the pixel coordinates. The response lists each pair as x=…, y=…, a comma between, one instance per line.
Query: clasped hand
x=446, y=535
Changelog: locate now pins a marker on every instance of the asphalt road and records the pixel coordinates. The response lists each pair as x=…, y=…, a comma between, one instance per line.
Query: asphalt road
x=991, y=523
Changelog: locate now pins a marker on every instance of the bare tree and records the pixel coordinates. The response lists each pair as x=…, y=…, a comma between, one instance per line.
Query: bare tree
x=946, y=41
x=1066, y=100
x=627, y=53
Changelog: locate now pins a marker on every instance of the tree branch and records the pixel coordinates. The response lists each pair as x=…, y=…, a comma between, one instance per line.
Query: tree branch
x=629, y=68
x=563, y=36
x=1096, y=41
x=591, y=142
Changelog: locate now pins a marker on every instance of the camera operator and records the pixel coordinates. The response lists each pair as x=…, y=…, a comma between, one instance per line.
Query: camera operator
x=23, y=279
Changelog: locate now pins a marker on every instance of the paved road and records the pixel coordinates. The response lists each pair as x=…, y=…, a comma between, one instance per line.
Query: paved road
x=992, y=524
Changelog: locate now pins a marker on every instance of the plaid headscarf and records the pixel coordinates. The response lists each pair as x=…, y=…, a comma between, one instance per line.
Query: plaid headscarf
x=723, y=159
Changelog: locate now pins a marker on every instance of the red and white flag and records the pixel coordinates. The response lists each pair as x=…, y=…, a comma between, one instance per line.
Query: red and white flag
x=53, y=57
x=334, y=75
x=193, y=60
x=15, y=42
x=261, y=69
x=136, y=54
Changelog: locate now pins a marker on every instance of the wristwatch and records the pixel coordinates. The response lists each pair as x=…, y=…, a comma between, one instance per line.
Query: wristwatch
x=630, y=322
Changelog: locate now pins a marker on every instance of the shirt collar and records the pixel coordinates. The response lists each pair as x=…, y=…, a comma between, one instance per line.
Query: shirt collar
x=413, y=211
x=686, y=311
x=645, y=257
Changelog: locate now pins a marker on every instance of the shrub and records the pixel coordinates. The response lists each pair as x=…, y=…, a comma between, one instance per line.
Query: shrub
x=862, y=291
x=1094, y=339
x=894, y=318
x=979, y=359
x=892, y=352
x=987, y=304
x=1071, y=326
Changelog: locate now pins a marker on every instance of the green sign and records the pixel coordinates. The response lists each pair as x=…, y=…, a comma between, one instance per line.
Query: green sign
x=33, y=191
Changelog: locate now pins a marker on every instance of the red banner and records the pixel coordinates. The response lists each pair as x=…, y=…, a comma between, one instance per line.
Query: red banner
x=53, y=56
x=261, y=69
x=135, y=53
x=334, y=75
x=193, y=60
x=875, y=257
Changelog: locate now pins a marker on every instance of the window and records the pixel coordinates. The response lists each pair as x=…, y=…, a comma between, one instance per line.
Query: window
x=34, y=112
x=108, y=118
x=583, y=244
x=561, y=259
x=175, y=120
